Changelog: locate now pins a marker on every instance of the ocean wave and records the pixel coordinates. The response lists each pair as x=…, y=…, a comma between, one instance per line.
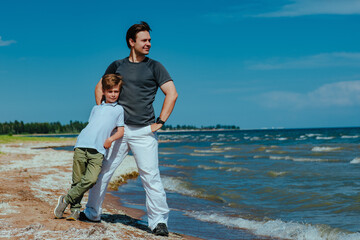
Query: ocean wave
x=280, y=158
x=255, y=139
x=313, y=134
x=217, y=144
x=281, y=139
x=277, y=228
x=228, y=169
x=167, y=153
x=208, y=151
x=345, y=136
x=276, y=174
x=179, y=186
x=355, y=161
x=324, y=138
x=275, y=151
x=325, y=149
x=201, y=155
x=224, y=163
x=302, y=159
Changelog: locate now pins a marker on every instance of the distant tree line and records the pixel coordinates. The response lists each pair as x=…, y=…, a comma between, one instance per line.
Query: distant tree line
x=191, y=127
x=17, y=127
x=31, y=128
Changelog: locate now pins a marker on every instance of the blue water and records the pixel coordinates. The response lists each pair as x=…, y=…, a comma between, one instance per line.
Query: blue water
x=287, y=184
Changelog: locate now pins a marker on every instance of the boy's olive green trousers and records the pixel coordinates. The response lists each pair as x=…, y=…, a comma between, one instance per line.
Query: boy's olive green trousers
x=86, y=168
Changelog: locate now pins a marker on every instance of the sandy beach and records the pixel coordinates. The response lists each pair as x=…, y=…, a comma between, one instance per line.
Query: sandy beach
x=33, y=176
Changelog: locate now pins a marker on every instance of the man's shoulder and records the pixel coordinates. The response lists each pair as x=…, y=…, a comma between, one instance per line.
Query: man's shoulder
x=119, y=61
x=154, y=64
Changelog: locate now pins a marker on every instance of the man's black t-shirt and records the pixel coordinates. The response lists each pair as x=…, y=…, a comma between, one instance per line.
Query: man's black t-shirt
x=140, y=84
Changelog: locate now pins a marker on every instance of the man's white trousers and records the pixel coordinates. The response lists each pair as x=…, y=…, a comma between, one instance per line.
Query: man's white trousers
x=144, y=145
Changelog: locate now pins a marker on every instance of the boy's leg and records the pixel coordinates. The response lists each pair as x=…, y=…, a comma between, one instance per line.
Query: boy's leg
x=144, y=146
x=78, y=170
x=92, y=165
x=116, y=154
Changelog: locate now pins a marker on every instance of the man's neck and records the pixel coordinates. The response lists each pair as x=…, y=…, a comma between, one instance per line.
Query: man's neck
x=136, y=57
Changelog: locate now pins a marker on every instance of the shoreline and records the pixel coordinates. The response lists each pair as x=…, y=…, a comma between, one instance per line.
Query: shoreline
x=33, y=177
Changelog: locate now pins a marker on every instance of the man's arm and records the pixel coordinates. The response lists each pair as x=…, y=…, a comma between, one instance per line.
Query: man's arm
x=171, y=95
x=119, y=134
x=98, y=92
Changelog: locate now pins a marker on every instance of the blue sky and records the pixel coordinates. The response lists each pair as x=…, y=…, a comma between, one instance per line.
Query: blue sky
x=254, y=64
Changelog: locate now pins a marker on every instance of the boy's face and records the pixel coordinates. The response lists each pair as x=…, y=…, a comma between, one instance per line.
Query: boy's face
x=112, y=94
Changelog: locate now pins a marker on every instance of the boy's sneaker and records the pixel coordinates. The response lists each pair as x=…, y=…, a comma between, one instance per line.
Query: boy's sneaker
x=74, y=216
x=161, y=230
x=60, y=207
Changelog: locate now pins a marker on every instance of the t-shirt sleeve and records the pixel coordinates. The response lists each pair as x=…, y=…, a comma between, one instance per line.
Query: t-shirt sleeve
x=111, y=68
x=92, y=113
x=120, y=121
x=161, y=74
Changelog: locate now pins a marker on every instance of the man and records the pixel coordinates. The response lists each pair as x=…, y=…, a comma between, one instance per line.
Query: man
x=142, y=77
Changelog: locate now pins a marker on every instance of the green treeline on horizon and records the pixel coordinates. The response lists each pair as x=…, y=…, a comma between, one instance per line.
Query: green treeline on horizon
x=17, y=127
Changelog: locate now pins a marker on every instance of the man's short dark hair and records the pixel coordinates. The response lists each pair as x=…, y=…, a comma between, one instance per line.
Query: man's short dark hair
x=134, y=29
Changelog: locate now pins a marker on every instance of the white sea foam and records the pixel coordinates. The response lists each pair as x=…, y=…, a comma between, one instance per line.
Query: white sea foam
x=217, y=144
x=312, y=160
x=325, y=149
x=208, y=151
x=231, y=156
x=277, y=228
x=356, y=136
x=201, y=155
x=167, y=153
x=228, y=169
x=6, y=208
x=355, y=160
x=280, y=158
x=255, y=139
x=324, y=138
x=281, y=139
x=237, y=169
x=301, y=159
x=313, y=135
x=177, y=185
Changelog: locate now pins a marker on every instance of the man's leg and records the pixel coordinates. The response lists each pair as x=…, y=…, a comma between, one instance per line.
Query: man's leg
x=144, y=146
x=88, y=171
x=112, y=160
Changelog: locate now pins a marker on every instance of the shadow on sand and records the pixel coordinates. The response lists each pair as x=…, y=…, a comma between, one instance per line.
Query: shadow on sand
x=126, y=220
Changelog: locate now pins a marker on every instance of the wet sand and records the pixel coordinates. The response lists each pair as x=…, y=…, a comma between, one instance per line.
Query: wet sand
x=32, y=177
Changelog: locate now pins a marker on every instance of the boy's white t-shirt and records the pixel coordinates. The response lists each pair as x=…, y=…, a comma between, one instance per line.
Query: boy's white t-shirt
x=102, y=121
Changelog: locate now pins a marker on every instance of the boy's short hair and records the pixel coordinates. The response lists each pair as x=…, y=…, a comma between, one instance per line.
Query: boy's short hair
x=111, y=80
x=134, y=29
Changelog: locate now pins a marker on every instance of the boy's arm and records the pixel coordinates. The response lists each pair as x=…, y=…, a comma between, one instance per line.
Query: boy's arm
x=98, y=92
x=119, y=134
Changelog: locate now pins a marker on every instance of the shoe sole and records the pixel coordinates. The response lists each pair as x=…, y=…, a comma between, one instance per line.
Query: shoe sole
x=71, y=219
x=59, y=201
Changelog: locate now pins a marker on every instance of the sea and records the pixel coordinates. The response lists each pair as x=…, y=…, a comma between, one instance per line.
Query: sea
x=259, y=184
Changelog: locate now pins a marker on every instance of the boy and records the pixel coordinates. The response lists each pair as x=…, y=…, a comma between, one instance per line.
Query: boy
x=91, y=145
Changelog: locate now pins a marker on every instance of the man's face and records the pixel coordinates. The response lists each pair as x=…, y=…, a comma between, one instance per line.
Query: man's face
x=112, y=94
x=142, y=44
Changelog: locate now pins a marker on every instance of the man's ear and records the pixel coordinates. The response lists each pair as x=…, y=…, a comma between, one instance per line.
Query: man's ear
x=131, y=42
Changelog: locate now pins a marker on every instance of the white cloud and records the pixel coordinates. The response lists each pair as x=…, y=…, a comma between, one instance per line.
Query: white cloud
x=6, y=43
x=337, y=59
x=314, y=7
x=339, y=94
